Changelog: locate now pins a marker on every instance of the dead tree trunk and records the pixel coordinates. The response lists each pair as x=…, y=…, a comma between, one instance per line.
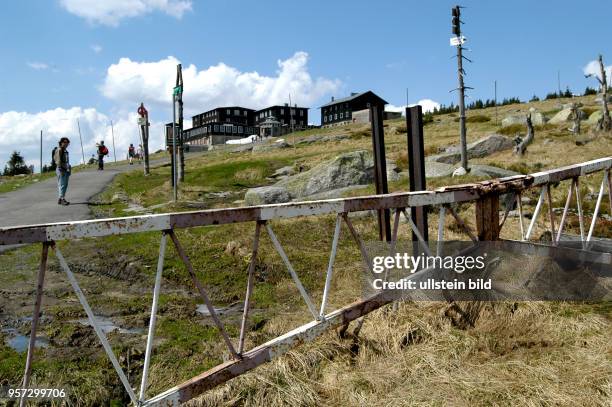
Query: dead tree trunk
x=577, y=118
x=522, y=145
x=605, y=123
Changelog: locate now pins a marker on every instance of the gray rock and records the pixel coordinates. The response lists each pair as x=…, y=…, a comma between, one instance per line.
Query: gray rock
x=269, y=147
x=565, y=115
x=479, y=148
x=354, y=168
x=283, y=172
x=435, y=169
x=334, y=193
x=459, y=172
x=319, y=137
x=266, y=195
x=481, y=170
x=594, y=117
x=511, y=120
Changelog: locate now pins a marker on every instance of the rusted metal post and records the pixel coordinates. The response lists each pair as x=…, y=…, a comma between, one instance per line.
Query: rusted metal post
x=294, y=276
x=380, y=169
x=551, y=215
x=249, y=289
x=37, y=303
x=565, y=209
x=330, y=266
x=153, y=317
x=364, y=254
x=200, y=287
x=416, y=167
x=93, y=322
x=487, y=217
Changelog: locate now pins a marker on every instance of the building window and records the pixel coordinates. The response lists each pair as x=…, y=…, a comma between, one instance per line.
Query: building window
x=228, y=111
x=301, y=122
x=245, y=113
x=292, y=112
x=234, y=129
x=240, y=129
x=301, y=113
x=341, y=115
x=324, y=119
x=282, y=111
x=216, y=128
x=331, y=117
x=336, y=116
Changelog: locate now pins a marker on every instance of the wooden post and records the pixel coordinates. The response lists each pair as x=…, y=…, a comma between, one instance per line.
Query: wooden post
x=380, y=169
x=487, y=217
x=416, y=167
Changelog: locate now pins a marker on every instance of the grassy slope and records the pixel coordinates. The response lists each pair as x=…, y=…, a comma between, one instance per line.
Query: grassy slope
x=509, y=358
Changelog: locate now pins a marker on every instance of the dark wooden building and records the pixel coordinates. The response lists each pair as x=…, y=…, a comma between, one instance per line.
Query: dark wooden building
x=218, y=125
x=350, y=109
x=284, y=114
x=231, y=114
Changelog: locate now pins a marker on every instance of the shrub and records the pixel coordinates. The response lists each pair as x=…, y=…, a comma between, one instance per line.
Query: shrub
x=479, y=118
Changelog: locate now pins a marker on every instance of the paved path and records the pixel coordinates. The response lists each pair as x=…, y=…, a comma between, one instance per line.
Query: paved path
x=37, y=203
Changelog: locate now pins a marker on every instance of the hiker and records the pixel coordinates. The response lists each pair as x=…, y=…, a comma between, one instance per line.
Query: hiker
x=62, y=169
x=102, y=151
x=140, y=152
x=131, y=153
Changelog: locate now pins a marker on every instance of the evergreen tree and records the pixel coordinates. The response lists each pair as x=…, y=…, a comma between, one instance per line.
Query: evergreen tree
x=16, y=165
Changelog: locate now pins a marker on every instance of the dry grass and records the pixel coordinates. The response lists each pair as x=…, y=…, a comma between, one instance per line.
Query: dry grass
x=525, y=355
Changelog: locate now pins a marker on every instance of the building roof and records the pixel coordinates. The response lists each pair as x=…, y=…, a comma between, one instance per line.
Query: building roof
x=353, y=97
x=282, y=106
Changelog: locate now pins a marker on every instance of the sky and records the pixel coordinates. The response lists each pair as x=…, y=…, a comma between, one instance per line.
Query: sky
x=70, y=63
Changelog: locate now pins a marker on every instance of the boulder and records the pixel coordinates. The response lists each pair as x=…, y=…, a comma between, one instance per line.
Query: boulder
x=481, y=170
x=319, y=137
x=565, y=115
x=479, y=148
x=512, y=120
x=594, y=117
x=283, y=172
x=537, y=118
x=459, y=172
x=268, y=147
x=435, y=169
x=354, y=168
x=266, y=195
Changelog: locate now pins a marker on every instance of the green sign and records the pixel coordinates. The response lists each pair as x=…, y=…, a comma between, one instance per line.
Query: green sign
x=178, y=90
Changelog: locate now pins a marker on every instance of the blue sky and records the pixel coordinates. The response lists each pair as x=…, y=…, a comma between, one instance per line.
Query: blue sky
x=63, y=58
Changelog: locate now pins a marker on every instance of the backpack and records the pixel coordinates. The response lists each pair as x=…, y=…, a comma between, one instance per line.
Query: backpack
x=53, y=154
x=103, y=150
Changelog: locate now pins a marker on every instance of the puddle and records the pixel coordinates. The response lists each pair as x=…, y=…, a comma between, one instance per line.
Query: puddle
x=234, y=308
x=20, y=342
x=107, y=325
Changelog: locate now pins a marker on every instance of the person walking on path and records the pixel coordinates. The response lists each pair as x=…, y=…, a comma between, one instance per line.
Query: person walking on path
x=131, y=153
x=140, y=152
x=62, y=169
x=102, y=151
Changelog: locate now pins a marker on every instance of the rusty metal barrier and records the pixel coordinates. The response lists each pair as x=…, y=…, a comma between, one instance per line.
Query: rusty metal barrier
x=485, y=194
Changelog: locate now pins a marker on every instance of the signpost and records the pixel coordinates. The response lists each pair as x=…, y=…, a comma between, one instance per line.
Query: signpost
x=143, y=123
x=454, y=41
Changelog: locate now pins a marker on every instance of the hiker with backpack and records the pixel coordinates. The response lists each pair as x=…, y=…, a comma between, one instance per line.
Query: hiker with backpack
x=131, y=153
x=62, y=169
x=102, y=151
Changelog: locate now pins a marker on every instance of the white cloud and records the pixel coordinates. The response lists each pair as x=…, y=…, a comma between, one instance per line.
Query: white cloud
x=592, y=68
x=21, y=131
x=39, y=66
x=96, y=48
x=111, y=12
x=220, y=85
x=428, y=105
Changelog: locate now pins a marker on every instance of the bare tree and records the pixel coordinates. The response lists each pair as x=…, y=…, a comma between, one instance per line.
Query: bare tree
x=522, y=144
x=577, y=116
x=605, y=123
